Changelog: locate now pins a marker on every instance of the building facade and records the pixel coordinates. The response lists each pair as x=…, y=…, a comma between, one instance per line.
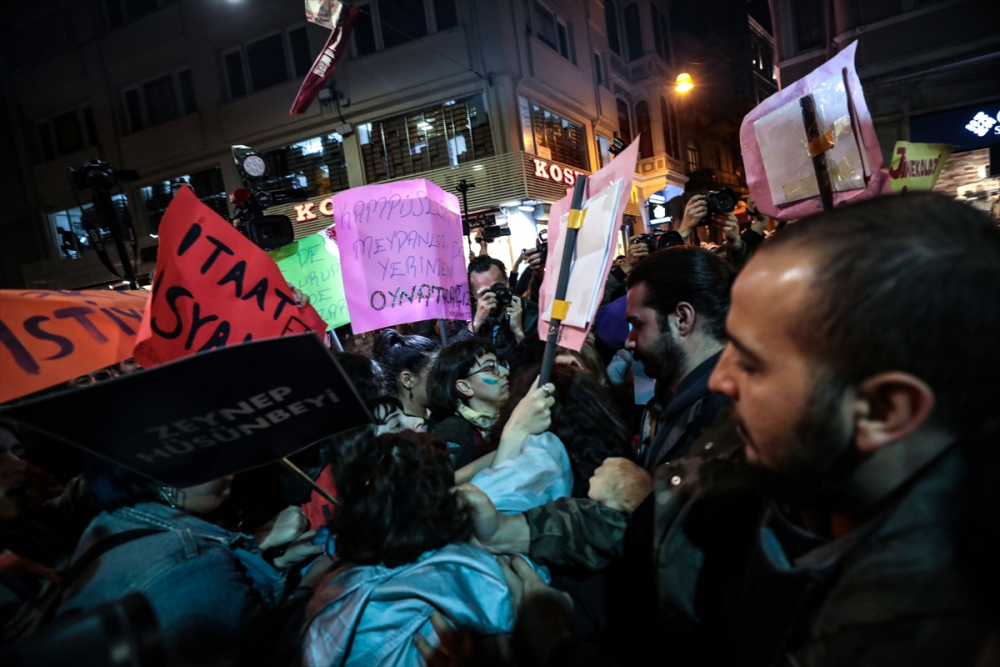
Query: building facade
x=515, y=95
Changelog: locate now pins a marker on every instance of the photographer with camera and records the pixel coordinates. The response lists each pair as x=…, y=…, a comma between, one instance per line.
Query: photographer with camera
x=498, y=314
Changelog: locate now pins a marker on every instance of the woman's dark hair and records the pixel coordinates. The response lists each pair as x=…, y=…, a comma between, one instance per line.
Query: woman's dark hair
x=397, y=501
x=396, y=353
x=686, y=273
x=453, y=363
x=589, y=359
x=365, y=374
x=584, y=418
x=110, y=486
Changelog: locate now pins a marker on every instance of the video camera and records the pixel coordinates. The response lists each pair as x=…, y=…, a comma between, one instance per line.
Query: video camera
x=719, y=201
x=491, y=231
x=659, y=241
x=266, y=231
x=100, y=176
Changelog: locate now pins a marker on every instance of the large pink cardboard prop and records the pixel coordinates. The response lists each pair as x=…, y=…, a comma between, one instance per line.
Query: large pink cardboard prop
x=621, y=168
x=401, y=254
x=782, y=174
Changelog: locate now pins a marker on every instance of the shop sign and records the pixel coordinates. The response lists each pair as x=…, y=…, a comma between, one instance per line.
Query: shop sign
x=555, y=172
x=310, y=210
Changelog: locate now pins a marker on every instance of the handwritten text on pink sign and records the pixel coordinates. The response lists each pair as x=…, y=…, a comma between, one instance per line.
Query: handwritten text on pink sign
x=401, y=254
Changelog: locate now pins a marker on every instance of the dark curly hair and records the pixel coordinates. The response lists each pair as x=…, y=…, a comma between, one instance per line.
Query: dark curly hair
x=584, y=418
x=397, y=501
x=453, y=363
x=396, y=353
x=365, y=374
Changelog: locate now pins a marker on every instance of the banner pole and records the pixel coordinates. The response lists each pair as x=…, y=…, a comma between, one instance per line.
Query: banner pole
x=559, y=306
x=316, y=487
x=817, y=149
x=444, y=332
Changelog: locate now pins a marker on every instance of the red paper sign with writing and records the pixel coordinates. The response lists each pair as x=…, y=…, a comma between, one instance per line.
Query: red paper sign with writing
x=213, y=288
x=50, y=337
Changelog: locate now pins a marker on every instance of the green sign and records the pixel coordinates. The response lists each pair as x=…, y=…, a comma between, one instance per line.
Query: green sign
x=313, y=265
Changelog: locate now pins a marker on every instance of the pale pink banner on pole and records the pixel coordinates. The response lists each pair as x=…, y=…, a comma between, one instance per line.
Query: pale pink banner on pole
x=876, y=176
x=622, y=167
x=401, y=254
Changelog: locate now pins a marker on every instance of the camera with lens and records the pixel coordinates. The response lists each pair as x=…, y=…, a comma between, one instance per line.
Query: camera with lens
x=719, y=201
x=504, y=295
x=100, y=176
x=542, y=247
x=659, y=241
x=491, y=231
x=266, y=231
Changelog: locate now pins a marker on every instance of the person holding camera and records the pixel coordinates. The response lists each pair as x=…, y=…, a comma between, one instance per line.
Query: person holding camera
x=506, y=319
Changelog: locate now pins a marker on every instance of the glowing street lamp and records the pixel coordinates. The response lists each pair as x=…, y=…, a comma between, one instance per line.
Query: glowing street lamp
x=684, y=83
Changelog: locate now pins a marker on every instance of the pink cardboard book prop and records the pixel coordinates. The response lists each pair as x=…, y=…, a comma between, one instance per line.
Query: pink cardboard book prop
x=780, y=176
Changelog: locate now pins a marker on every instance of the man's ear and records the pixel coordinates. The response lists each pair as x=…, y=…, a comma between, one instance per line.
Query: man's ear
x=889, y=407
x=685, y=318
x=464, y=388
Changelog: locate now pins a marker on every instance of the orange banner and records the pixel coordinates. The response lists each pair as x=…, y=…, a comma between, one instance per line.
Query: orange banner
x=50, y=337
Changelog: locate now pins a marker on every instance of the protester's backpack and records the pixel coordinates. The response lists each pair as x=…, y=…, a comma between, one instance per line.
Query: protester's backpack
x=40, y=611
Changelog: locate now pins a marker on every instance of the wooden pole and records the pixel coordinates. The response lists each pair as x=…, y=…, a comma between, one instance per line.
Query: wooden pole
x=316, y=487
x=817, y=149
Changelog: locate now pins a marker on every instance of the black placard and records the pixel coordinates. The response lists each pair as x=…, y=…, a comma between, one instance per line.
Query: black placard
x=208, y=415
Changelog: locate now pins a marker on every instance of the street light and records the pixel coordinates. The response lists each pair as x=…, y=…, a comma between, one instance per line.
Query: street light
x=684, y=83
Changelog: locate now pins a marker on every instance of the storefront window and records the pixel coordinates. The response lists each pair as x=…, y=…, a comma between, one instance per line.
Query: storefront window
x=444, y=135
x=206, y=184
x=316, y=165
x=67, y=231
x=559, y=139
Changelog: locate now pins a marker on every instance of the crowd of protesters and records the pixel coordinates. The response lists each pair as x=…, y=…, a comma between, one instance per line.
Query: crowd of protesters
x=813, y=481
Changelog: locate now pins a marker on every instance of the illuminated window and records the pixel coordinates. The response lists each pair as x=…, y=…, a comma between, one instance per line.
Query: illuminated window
x=206, y=184
x=317, y=165
x=693, y=156
x=558, y=138
x=443, y=135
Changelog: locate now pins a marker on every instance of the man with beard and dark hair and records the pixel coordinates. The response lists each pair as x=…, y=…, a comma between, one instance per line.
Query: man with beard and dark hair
x=677, y=304
x=861, y=365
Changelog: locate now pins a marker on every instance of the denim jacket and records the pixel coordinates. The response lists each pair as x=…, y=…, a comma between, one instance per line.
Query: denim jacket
x=366, y=615
x=207, y=585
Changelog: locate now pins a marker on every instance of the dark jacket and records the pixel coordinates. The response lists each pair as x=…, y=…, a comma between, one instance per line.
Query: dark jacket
x=741, y=583
x=497, y=330
x=464, y=439
x=691, y=410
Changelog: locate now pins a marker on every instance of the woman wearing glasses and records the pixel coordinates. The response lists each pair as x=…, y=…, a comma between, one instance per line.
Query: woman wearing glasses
x=466, y=387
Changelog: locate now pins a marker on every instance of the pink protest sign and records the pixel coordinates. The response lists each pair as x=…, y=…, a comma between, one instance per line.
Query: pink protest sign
x=401, y=254
x=621, y=168
x=857, y=127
